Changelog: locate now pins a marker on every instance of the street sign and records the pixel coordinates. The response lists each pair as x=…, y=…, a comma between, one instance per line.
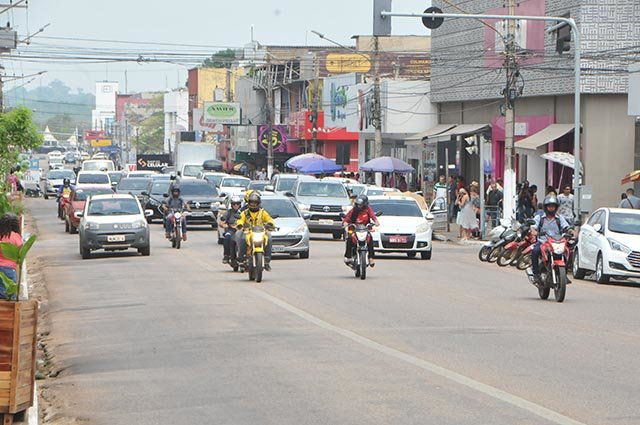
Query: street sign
x=152, y=162
x=432, y=23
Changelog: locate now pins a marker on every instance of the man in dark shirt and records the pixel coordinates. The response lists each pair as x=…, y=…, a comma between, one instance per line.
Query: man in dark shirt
x=171, y=204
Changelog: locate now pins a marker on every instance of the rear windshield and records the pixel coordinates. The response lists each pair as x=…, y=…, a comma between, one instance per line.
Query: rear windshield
x=322, y=189
x=83, y=194
x=115, y=177
x=214, y=180
x=198, y=190
x=105, y=165
x=285, y=185
x=280, y=207
x=133, y=184
x=235, y=183
x=97, y=178
x=113, y=207
x=160, y=187
x=62, y=174
x=397, y=208
x=191, y=170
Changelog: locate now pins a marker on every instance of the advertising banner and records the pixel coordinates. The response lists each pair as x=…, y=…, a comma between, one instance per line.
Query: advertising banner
x=199, y=123
x=222, y=113
x=278, y=138
x=398, y=64
x=337, y=93
x=98, y=143
x=152, y=162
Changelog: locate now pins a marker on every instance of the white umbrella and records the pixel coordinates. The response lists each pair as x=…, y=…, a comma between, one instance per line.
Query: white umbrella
x=562, y=158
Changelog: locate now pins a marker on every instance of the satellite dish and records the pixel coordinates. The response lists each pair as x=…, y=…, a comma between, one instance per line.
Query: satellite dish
x=432, y=23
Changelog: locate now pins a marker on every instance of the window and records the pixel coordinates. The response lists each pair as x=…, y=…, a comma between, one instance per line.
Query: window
x=204, y=189
x=83, y=194
x=93, y=178
x=397, y=208
x=133, y=184
x=235, y=183
x=320, y=189
x=280, y=207
x=628, y=223
x=594, y=218
x=113, y=207
x=62, y=174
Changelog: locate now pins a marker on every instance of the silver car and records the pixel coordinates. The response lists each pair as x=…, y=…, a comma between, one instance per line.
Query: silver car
x=114, y=223
x=325, y=201
x=292, y=236
x=54, y=179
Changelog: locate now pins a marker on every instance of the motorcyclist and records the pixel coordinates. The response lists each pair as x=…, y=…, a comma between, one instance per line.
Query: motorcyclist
x=254, y=215
x=361, y=213
x=228, y=223
x=549, y=224
x=174, y=203
x=64, y=190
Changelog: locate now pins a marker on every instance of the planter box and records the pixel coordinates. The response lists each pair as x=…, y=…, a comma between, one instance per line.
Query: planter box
x=18, y=334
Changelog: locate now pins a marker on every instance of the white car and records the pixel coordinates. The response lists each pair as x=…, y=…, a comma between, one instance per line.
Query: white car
x=234, y=185
x=609, y=245
x=93, y=178
x=404, y=226
x=55, y=160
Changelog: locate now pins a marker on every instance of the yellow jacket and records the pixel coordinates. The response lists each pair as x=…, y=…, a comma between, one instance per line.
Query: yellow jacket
x=258, y=218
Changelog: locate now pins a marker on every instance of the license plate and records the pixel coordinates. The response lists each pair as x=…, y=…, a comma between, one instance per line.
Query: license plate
x=197, y=214
x=115, y=238
x=397, y=239
x=276, y=248
x=327, y=222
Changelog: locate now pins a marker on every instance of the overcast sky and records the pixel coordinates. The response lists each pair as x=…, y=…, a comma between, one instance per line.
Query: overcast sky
x=212, y=23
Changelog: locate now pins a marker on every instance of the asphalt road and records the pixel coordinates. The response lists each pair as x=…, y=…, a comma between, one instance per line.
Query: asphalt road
x=178, y=338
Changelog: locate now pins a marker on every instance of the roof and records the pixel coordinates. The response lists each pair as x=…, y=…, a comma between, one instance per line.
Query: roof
x=417, y=138
x=544, y=136
x=460, y=130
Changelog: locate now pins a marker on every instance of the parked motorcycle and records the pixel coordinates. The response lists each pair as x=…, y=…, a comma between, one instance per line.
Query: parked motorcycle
x=495, y=235
x=512, y=251
x=360, y=236
x=257, y=238
x=176, y=218
x=553, y=267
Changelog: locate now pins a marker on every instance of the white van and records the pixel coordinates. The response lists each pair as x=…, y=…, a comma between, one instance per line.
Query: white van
x=98, y=165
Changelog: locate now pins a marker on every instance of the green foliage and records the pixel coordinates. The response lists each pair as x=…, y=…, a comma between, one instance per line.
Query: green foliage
x=221, y=59
x=150, y=138
x=18, y=133
x=19, y=255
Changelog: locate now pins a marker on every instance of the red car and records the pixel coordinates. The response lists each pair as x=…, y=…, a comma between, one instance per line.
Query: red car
x=76, y=202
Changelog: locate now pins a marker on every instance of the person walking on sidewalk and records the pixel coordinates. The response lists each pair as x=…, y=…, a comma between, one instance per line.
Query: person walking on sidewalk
x=631, y=201
x=565, y=201
x=467, y=219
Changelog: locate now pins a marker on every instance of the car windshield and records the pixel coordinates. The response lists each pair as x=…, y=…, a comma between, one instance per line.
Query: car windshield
x=106, y=165
x=204, y=189
x=357, y=190
x=113, y=207
x=191, y=170
x=115, y=177
x=62, y=174
x=329, y=190
x=83, y=194
x=375, y=192
x=214, y=180
x=133, y=184
x=399, y=208
x=624, y=223
x=95, y=178
x=280, y=207
x=235, y=183
x=257, y=185
x=160, y=187
x=285, y=184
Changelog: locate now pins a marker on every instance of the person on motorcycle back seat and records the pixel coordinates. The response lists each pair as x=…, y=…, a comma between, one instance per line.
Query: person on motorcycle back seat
x=174, y=203
x=228, y=223
x=253, y=216
x=65, y=189
x=549, y=224
x=361, y=213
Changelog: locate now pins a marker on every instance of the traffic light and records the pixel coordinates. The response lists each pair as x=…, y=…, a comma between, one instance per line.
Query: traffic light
x=563, y=39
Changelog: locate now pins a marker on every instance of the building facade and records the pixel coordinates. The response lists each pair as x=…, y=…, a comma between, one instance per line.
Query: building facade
x=103, y=116
x=176, y=117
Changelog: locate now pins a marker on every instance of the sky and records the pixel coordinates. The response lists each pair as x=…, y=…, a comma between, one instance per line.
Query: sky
x=209, y=24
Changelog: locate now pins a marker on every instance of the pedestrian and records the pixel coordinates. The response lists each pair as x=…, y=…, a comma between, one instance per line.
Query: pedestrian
x=402, y=184
x=565, y=201
x=632, y=201
x=494, y=200
x=525, y=206
x=467, y=218
x=474, y=195
x=262, y=174
x=451, y=197
x=9, y=233
x=533, y=190
x=440, y=189
x=551, y=191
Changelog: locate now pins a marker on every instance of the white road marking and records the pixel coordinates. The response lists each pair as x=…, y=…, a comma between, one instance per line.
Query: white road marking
x=488, y=390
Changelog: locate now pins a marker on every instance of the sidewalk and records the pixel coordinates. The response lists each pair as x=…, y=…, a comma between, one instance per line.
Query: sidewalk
x=452, y=236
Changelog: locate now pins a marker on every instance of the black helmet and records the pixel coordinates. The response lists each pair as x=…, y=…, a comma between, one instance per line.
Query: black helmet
x=255, y=199
x=66, y=182
x=362, y=201
x=175, y=189
x=550, y=200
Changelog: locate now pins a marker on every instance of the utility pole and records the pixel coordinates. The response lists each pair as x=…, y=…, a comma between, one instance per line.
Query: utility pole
x=510, y=94
x=377, y=112
x=270, y=119
x=314, y=106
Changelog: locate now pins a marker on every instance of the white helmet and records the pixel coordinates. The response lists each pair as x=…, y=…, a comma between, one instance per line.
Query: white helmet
x=236, y=200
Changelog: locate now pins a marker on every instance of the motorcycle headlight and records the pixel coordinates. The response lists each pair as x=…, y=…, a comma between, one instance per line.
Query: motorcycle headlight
x=617, y=246
x=177, y=215
x=361, y=236
x=91, y=226
x=304, y=207
x=300, y=229
x=258, y=237
x=558, y=248
x=139, y=224
x=423, y=228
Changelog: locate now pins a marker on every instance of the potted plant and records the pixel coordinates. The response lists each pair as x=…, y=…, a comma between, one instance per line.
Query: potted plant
x=18, y=335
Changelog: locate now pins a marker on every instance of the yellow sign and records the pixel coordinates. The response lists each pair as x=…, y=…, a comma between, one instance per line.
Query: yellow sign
x=342, y=63
x=101, y=142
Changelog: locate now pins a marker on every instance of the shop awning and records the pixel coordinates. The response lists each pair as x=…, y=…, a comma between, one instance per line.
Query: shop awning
x=417, y=138
x=459, y=130
x=542, y=137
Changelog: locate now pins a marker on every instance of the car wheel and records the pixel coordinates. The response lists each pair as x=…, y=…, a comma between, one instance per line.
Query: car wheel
x=577, y=272
x=600, y=276
x=72, y=229
x=304, y=254
x=411, y=254
x=85, y=252
x=149, y=220
x=46, y=196
x=426, y=255
x=66, y=226
x=145, y=251
x=337, y=235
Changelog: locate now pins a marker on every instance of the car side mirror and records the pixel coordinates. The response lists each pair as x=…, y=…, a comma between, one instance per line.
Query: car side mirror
x=274, y=216
x=307, y=216
x=165, y=195
x=148, y=213
x=598, y=227
x=289, y=194
x=144, y=193
x=378, y=214
x=269, y=188
x=79, y=214
x=429, y=216
x=179, y=173
x=577, y=223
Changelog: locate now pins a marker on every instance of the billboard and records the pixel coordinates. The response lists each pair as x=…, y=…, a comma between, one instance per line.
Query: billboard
x=98, y=143
x=398, y=64
x=152, y=162
x=278, y=138
x=93, y=134
x=222, y=113
x=337, y=93
x=199, y=123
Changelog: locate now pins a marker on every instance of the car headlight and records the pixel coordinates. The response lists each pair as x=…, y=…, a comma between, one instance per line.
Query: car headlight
x=153, y=202
x=139, y=224
x=423, y=228
x=300, y=229
x=617, y=246
x=91, y=226
x=304, y=207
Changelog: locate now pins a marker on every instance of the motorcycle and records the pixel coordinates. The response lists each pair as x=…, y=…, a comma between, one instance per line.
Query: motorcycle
x=495, y=235
x=257, y=238
x=509, y=235
x=63, y=199
x=360, y=236
x=553, y=267
x=513, y=250
x=233, y=254
x=176, y=218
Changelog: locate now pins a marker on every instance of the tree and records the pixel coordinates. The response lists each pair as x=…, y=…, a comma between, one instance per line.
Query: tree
x=150, y=132
x=221, y=59
x=18, y=133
